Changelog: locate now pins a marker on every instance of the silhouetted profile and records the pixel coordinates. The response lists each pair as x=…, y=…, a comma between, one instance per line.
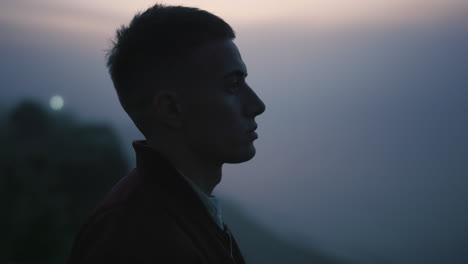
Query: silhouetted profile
x=181, y=79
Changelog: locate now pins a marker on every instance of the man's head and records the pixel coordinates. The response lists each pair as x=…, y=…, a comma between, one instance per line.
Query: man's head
x=181, y=79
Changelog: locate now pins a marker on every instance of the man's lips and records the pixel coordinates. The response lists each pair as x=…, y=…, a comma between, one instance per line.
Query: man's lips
x=252, y=129
x=252, y=134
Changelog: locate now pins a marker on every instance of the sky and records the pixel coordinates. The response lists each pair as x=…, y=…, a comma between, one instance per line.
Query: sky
x=363, y=148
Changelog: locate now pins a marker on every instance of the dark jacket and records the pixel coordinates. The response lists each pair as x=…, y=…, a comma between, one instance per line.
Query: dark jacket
x=153, y=216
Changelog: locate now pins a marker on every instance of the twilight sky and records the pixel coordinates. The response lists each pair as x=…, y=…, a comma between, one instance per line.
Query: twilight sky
x=363, y=147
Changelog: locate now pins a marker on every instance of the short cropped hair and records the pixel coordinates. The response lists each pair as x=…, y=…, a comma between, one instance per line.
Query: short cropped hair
x=145, y=52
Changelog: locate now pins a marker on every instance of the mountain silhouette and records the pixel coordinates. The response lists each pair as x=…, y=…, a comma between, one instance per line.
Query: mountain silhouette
x=260, y=245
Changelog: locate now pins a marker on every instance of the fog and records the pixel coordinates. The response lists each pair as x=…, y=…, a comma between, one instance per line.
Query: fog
x=363, y=148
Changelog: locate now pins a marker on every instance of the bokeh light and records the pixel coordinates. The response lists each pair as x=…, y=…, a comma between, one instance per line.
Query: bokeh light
x=56, y=102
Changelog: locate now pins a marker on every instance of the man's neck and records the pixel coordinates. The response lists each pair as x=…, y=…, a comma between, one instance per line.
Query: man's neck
x=204, y=174
x=205, y=178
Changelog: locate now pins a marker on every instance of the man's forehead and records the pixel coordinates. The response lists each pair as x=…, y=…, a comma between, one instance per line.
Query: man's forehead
x=218, y=57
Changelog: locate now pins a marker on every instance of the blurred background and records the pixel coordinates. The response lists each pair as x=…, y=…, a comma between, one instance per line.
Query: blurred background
x=362, y=154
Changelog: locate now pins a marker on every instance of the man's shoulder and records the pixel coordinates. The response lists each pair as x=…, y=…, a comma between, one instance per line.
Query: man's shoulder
x=132, y=204
x=123, y=233
x=128, y=219
x=128, y=226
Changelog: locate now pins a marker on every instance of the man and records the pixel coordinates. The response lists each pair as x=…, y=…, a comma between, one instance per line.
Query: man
x=181, y=79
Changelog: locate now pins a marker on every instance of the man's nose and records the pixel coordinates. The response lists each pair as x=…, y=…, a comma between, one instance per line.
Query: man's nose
x=255, y=105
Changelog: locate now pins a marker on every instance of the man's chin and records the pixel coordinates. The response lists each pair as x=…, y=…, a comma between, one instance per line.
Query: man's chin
x=242, y=157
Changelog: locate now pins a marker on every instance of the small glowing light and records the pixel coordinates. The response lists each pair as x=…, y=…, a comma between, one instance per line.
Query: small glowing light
x=56, y=102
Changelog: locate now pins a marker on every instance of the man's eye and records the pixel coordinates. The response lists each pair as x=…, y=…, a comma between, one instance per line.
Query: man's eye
x=235, y=83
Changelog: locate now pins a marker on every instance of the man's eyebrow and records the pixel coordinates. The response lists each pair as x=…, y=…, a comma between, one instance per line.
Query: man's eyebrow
x=236, y=73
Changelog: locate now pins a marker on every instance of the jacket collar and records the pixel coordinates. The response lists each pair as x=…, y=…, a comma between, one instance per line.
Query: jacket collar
x=159, y=175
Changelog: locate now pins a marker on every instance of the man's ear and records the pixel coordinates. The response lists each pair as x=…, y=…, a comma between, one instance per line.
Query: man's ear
x=166, y=108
